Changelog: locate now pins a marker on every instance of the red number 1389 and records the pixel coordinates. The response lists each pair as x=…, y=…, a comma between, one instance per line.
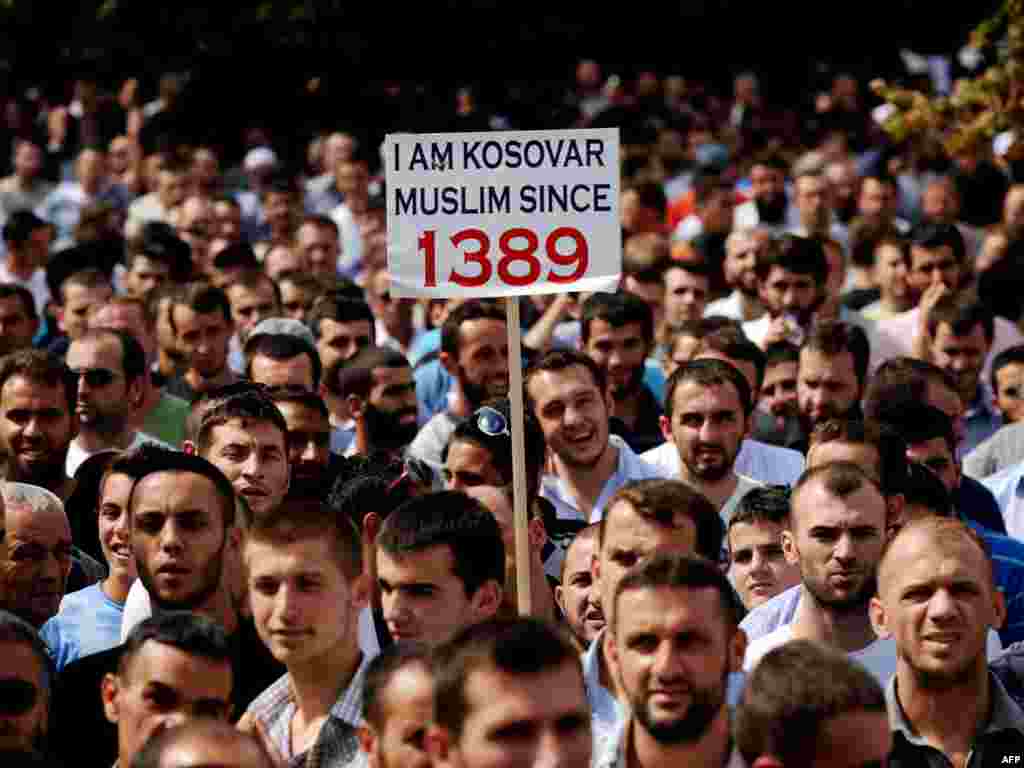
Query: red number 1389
x=517, y=245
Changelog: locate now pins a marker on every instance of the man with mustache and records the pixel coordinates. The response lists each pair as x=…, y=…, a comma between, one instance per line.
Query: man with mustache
x=474, y=350
x=832, y=374
x=37, y=419
x=110, y=366
x=707, y=409
x=836, y=536
x=380, y=393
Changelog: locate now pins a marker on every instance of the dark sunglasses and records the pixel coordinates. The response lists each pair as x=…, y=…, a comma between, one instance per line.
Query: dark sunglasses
x=95, y=377
x=17, y=696
x=491, y=422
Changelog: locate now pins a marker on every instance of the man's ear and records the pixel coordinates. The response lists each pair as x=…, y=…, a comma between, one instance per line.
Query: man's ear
x=109, y=688
x=767, y=761
x=58, y=311
x=135, y=392
x=367, y=740
x=999, y=609
x=737, y=650
x=876, y=611
x=559, y=598
x=360, y=591
x=187, y=446
x=895, y=513
x=537, y=533
x=487, y=599
x=449, y=363
x=666, y=428
x=789, y=549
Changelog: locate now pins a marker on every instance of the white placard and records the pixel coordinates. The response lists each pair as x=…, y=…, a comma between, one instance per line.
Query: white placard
x=503, y=213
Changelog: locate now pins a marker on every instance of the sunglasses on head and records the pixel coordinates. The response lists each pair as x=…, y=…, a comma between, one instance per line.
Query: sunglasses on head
x=95, y=377
x=491, y=422
x=17, y=696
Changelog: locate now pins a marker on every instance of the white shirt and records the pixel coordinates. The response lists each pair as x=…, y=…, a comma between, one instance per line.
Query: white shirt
x=629, y=467
x=763, y=462
x=879, y=657
x=731, y=306
x=77, y=454
x=743, y=486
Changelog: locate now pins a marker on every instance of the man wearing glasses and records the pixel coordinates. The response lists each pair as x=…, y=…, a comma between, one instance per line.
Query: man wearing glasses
x=110, y=366
x=25, y=677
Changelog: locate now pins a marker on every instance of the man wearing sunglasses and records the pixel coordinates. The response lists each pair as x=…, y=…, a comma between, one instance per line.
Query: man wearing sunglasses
x=25, y=678
x=110, y=366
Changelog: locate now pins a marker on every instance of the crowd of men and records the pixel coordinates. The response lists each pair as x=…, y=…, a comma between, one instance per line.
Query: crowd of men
x=258, y=512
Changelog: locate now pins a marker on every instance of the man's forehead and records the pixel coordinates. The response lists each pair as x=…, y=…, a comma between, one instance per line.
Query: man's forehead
x=185, y=315
x=918, y=554
x=695, y=396
x=388, y=375
x=330, y=327
x=564, y=383
x=778, y=273
x=839, y=364
x=935, y=447
x=45, y=524
x=814, y=504
x=755, y=531
x=246, y=430
x=919, y=253
x=604, y=329
x=20, y=386
x=625, y=526
x=157, y=662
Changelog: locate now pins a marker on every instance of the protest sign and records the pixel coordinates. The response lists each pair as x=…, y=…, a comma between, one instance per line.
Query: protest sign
x=504, y=214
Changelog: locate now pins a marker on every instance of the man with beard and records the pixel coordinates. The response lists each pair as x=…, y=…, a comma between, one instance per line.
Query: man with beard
x=707, y=412
x=877, y=201
x=183, y=525
x=741, y=249
x=814, y=207
x=961, y=333
x=200, y=318
x=110, y=366
x=474, y=350
x=617, y=333
x=18, y=319
x=567, y=393
x=778, y=396
x=576, y=595
x=936, y=603
x=308, y=438
x=644, y=518
x=832, y=374
x=37, y=419
x=378, y=387
x=837, y=533
x=791, y=273
x=27, y=677
x=676, y=690
x=769, y=205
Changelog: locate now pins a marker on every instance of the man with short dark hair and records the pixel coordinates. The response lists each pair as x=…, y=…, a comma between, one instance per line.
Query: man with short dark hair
x=27, y=675
x=474, y=350
x=936, y=603
x=791, y=272
x=77, y=295
x=440, y=566
x=18, y=319
x=341, y=327
x=38, y=421
x=200, y=317
x=110, y=366
x=676, y=691
x=316, y=708
x=542, y=699
x=27, y=241
x=707, y=410
x=837, y=532
x=741, y=250
x=308, y=438
x=254, y=297
x=757, y=564
x=806, y=705
x=156, y=257
x=643, y=518
x=566, y=392
x=576, y=593
x=377, y=385
x=833, y=373
x=397, y=701
x=319, y=242
x=617, y=333
x=179, y=661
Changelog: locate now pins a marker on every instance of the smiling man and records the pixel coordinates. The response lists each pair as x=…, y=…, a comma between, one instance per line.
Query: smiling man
x=440, y=566
x=307, y=588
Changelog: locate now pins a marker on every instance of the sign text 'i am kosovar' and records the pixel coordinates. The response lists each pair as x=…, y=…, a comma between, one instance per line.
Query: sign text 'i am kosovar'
x=503, y=213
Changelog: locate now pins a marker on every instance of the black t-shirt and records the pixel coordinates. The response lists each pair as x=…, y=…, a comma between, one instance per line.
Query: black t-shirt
x=78, y=708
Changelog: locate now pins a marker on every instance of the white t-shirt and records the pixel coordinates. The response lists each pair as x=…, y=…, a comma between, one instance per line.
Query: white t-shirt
x=138, y=608
x=878, y=658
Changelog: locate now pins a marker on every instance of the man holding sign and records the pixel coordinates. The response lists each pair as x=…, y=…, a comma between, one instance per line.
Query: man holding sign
x=500, y=214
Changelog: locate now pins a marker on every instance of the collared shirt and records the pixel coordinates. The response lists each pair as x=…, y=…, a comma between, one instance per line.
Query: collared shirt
x=629, y=467
x=607, y=715
x=766, y=463
x=611, y=752
x=336, y=746
x=1002, y=735
x=1008, y=489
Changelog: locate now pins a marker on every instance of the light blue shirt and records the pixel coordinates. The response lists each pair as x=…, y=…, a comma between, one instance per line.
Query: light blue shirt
x=1006, y=486
x=88, y=622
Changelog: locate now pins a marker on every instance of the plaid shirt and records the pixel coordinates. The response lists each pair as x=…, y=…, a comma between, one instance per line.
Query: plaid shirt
x=337, y=745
